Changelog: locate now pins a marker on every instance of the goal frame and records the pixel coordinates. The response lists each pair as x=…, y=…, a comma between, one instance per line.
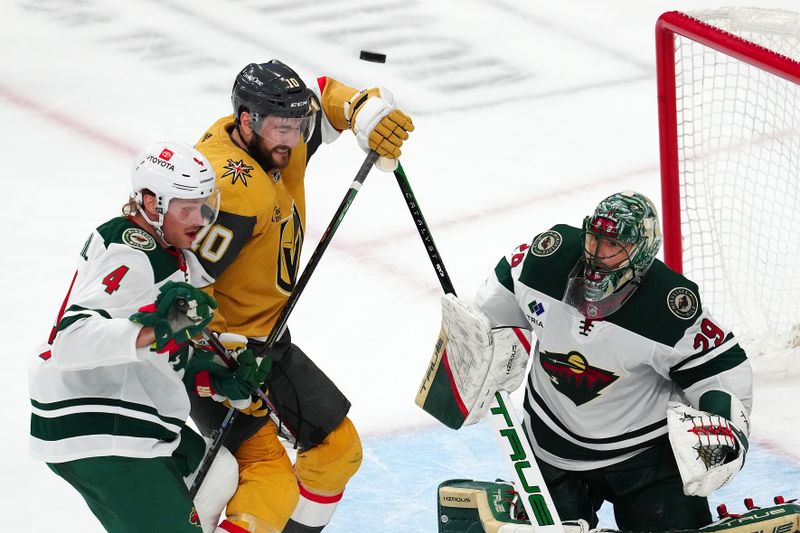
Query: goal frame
x=668, y=25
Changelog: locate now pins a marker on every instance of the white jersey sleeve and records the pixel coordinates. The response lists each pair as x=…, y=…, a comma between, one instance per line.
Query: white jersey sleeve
x=708, y=364
x=95, y=330
x=496, y=296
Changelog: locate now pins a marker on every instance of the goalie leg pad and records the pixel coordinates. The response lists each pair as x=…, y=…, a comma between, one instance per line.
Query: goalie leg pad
x=471, y=362
x=467, y=506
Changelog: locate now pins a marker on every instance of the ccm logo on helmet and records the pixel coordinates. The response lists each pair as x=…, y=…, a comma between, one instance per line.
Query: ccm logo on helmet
x=299, y=104
x=161, y=162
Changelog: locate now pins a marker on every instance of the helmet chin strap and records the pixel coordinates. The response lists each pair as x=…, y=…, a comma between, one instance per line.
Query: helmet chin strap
x=156, y=225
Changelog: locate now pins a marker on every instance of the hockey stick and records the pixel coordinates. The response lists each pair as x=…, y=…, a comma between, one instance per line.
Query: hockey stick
x=530, y=484
x=283, y=318
x=218, y=435
x=324, y=241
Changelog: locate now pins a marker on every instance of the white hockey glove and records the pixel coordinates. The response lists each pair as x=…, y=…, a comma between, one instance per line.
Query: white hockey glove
x=378, y=125
x=480, y=360
x=709, y=449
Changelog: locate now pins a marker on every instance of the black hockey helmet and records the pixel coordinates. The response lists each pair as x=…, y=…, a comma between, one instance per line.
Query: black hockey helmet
x=272, y=88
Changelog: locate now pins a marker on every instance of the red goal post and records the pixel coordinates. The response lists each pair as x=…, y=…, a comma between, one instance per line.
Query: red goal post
x=729, y=121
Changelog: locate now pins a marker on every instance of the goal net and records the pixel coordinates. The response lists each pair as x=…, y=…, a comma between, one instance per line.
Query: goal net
x=729, y=114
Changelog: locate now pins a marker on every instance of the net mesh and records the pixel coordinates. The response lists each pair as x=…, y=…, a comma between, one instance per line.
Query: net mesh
x=739, y=160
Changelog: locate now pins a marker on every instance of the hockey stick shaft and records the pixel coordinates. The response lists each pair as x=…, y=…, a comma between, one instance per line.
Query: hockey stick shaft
x=283, y=318
x=529, y=481
x=424, y=231
x=530, y=484
x=227, y=423
x=324, y=241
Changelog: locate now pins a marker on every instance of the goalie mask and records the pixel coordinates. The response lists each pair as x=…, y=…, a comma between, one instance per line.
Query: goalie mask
x=170, y=171
x=620, y=241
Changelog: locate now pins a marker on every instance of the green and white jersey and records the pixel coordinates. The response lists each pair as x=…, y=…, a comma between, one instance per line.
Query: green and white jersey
x=93, y=393
x=597, y=390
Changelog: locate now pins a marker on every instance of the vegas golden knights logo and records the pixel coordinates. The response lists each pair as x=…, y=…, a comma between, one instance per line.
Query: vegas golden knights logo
x=291, y=241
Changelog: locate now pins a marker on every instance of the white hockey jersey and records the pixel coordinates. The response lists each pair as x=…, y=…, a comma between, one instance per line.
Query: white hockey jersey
x=597, y=390
x=93, y=393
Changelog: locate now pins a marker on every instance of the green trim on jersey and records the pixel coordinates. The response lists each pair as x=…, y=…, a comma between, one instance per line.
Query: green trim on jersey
x=716, y=402
x=63, y=404
x=549, y=440
x=722, y=363
x=163, y=262
x=503, y=273
x=66, y=322
x=93, y=423
x=550, y=274
x=652, y=317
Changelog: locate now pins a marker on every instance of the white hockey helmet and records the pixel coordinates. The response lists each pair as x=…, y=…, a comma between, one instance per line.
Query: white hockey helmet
x=172, y=170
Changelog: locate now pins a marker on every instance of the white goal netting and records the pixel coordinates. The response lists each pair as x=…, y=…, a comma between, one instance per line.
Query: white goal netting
x=739, y=164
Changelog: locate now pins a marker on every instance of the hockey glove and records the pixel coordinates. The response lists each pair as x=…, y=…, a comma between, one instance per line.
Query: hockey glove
x=179, y=313
x=709, y=449
x=256, y=408
x=208, y=376
x=378, y=125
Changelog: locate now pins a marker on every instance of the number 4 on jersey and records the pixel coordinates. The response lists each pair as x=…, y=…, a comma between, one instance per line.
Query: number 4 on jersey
x=113, y=280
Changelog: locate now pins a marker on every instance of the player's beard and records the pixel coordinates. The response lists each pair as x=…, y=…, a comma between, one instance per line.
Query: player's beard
x=265, y=157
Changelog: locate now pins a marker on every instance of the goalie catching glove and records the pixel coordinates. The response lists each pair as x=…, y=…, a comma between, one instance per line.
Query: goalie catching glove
x=471, y=362
x=208, y=376
x=180, y=312
x=709, y=448
x=378, y=125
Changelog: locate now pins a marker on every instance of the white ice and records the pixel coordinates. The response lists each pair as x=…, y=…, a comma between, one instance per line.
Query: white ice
x=527, y=114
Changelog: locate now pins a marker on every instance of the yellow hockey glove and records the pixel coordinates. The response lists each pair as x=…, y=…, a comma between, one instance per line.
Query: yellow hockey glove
x=378, y=124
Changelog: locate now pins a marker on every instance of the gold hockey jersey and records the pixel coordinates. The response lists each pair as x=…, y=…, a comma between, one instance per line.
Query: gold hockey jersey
x=253, y=249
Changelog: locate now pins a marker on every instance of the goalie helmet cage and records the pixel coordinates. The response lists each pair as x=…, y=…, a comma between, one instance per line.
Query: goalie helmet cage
x=729, y=120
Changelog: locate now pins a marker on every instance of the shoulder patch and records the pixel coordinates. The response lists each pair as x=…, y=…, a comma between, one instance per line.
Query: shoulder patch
x=546, y=243
x=139, y=239
x=682, y=302
x=237, y=170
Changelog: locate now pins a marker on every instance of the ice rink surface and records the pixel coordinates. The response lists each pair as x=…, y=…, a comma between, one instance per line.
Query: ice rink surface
x=527, y=114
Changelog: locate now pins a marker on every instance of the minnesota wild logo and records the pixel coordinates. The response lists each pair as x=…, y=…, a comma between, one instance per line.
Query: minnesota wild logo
x=574, y=377
x=238, y=169
x=546, y=243
x=291, y=241
x=138, y=238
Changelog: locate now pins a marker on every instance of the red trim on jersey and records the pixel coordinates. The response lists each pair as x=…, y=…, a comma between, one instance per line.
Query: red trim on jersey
x=60, y=314
x=226, y=525
x=453, y=387
x=46, y=355
x=319, y=498
x=522, y=339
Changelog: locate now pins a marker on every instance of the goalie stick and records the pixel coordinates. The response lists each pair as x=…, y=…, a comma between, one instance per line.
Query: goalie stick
x=280, y=325
x=528, y=478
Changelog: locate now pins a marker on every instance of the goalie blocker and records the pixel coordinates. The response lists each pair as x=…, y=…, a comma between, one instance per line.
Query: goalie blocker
x=466, y=506
x=470, y=363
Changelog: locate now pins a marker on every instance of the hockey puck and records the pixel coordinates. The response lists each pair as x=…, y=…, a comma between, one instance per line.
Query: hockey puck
x=373, y=57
